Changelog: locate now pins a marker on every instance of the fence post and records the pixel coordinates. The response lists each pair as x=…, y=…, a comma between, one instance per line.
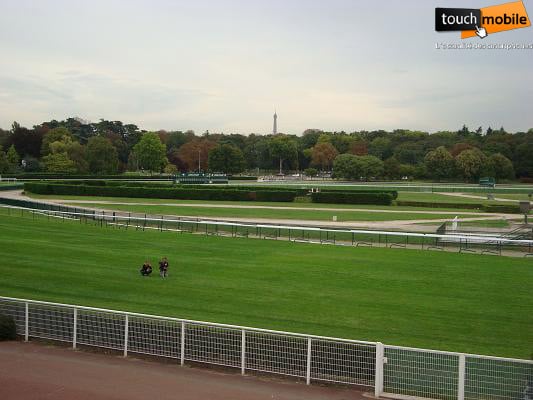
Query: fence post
x=243, y=351
x=182, y=344
x=461, y=377
x=378, y=385
x=126, y=323
x=308, y=372
x=26, y=322
x=75, y=329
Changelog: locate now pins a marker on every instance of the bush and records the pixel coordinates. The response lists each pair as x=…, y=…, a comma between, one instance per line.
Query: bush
x=470, y=206
x=502, y=208
x=284, y=196
x=168, y=192
x=352, y=198
x=311, y=172
x=8, y=329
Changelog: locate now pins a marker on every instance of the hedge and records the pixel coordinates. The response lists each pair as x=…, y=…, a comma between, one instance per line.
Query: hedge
x=8, y=329
x=472, y=206
x=502, y=208
x=159, y=192
x=352, y=198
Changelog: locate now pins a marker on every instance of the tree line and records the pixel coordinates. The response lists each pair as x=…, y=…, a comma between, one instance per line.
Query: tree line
x=109, y=147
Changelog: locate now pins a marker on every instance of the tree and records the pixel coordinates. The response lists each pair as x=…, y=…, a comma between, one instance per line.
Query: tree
x=226, y=158
x=195, y=154
x=391, y=167
x=470, y=164
x=501, y=166
x=346, y=166
x=352, y=167
x=380, y=147
x=59, y=134
x=151, y=153
x=13, y=158
x=101, y=156
x=283, y=148
x=523, y=159
x=78, y=154
x=59, y=162
x=4, y=164
x=170, y=169
x=439, y=163
x=323, y=154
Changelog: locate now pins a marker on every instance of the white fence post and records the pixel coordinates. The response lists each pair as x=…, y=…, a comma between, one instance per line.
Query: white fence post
x=126, y=323
x=26, y=322
x=461, y=377
x=243, y=351
x=182, y=344
x=378, y=385
x=75, y=329
x=308, y=372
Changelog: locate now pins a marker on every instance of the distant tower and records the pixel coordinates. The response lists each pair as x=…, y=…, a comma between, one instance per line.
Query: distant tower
x=275, y=129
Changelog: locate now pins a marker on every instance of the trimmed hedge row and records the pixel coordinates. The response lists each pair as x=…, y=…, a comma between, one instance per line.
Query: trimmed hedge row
x=469, y=206
x=502, y=208
x=159, y=192
x=491, y=208
x=352, y=198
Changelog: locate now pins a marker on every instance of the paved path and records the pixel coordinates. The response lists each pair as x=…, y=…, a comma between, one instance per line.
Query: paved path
x=30, y=371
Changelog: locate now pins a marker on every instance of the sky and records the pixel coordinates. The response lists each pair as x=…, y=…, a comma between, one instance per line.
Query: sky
x=226, y=66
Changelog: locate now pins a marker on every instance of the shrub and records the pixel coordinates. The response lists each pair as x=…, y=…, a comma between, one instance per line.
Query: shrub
x=470, y=206
x=284, y=196
x=502, y=208
x=8, y=329
x=352, y=198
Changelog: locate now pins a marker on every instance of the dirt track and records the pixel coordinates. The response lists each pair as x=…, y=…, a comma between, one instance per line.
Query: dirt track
x=35, y=371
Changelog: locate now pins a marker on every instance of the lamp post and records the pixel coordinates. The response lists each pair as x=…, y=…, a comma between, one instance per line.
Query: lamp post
x=199, y=164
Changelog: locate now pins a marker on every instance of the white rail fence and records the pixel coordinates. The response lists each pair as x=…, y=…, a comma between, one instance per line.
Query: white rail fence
x=391, y=371
x=309, y=234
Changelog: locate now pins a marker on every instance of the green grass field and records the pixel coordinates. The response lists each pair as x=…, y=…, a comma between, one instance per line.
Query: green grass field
x=316, y=215
x=460, y=302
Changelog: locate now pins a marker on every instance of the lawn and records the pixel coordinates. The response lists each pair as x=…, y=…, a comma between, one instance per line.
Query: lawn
x=310, y=215
x=296, y=204
x=450, y=301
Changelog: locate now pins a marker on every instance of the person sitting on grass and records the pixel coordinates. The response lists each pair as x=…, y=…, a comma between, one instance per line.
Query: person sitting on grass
x=146, y=269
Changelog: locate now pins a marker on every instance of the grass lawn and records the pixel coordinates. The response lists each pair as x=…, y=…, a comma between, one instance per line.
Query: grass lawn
x=450, y=301
x=314, y=215
x=246, y=203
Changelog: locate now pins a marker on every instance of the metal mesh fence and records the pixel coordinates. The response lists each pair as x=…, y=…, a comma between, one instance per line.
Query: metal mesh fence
x=51, y=322
x=16, y=310
x=212, y=344
x=487, y=378
x=343, y=362
x=406, y=371
x=280, y=354
x=421, y=373
x=101, y=329
x=152, y=336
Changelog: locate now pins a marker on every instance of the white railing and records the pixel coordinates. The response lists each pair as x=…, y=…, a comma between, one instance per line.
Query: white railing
x=391, y=371
x=311, y=234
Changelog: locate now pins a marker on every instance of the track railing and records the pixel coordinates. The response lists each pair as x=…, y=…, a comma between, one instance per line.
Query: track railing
x=310, y=234
x=391, y=371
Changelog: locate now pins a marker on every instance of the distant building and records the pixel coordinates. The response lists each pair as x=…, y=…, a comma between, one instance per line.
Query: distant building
x=275, y=128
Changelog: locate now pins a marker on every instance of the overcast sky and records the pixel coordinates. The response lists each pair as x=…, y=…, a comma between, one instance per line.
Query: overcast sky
x=226, y=65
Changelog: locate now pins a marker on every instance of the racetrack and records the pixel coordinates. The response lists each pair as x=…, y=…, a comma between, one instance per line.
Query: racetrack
x=35, y=371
